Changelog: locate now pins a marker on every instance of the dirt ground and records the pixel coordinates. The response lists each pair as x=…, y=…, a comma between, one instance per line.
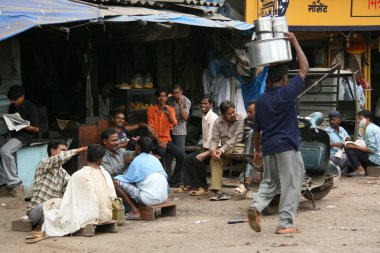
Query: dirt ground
x=347, y=220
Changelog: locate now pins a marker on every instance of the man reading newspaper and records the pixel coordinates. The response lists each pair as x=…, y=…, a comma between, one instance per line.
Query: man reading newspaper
x=21, y=133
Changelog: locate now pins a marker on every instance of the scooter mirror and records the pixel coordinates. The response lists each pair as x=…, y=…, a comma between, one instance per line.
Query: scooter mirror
x=316, y=118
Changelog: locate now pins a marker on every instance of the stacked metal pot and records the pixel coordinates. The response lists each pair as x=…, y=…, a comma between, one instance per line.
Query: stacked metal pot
x=269, y=44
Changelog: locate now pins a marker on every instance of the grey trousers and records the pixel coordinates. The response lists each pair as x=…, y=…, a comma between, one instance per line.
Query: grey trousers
x=283, y=173
x=180, y=141
x=8, y=167
x=36, y=214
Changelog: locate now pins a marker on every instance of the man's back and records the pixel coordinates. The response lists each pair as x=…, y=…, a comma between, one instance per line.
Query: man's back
x=276, y=117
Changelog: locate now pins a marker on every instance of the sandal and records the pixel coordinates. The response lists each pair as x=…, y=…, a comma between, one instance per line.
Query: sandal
x=254, y=219
x=35, y=236
x=290, y=230
x=225, y=196
x=199, y=192
x=181, y=189
x=216, y=196
x=250, y=195
x=240, y=189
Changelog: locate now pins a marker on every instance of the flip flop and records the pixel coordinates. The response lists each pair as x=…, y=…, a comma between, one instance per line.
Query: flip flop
x=356, y=174
x=216, y=196
x=290, y=230
x=225, y=196
x=36, y=237
x=130, y=217
x=240, y=189
x=254, y=219
x=181, y=189
x=199, y=192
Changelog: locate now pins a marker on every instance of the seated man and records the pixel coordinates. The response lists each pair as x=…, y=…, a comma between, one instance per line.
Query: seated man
x=361, y=157
x=227, y=131
x=50, y=179
x=144, y=182
x=87, y=200
x=194, y=169
x=338, y=136
x=116, y=159
x=247, y=178
x=161, y=118
x=118, y=121
x=28, y=111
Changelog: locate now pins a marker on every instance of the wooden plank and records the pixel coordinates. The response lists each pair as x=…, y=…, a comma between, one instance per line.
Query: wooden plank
x=23, y=225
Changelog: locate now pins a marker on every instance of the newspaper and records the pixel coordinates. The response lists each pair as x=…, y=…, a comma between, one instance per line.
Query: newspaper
x=15, y=122
x=360, y=143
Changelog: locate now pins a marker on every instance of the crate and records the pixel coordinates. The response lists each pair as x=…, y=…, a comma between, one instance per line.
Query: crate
x=149, y=213
x=22, y=225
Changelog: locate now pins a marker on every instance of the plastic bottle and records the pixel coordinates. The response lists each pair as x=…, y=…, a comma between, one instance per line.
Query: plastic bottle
x=118, y=211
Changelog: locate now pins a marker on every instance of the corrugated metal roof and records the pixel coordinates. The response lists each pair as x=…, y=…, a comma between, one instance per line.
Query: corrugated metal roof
x=213, y=3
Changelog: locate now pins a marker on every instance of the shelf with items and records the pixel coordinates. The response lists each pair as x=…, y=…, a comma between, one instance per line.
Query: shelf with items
x=133, y=102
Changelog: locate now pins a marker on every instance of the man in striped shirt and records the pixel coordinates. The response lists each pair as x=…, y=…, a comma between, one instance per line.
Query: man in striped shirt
x=50, y=179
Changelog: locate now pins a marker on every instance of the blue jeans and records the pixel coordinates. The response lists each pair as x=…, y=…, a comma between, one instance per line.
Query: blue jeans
x=176, y=178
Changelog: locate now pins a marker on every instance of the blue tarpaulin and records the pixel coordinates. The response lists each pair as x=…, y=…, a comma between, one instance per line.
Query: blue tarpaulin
x=17, y=16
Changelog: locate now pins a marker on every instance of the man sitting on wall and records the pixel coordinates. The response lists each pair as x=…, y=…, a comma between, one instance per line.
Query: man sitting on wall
x=116, y=159
x=144, y=182
x=194, y=169
x=228, y=131
x=87, y=200
x=161, y=118
x=118, y=120
x=50, y=179
x=28, y=111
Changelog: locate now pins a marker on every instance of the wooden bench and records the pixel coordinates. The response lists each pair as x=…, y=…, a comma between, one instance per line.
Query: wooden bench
x=22, y=225
x=149, y=213
x=373, y=171
x=91, y=229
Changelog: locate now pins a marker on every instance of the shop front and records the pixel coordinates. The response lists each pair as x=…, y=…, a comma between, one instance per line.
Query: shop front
x=330, y=31
x=64, y=66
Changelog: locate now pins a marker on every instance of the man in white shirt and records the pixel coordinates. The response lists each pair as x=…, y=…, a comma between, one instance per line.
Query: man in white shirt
x=194, y=170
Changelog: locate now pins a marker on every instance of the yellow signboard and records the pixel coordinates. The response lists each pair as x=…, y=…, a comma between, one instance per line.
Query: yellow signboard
x=365, y=8
x=323, y=14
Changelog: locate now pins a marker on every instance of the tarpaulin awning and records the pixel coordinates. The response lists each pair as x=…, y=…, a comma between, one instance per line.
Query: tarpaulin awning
x=17, y=16
x=128, y=14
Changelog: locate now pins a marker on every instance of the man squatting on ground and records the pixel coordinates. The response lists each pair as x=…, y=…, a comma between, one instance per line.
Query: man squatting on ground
x=145, y=181
x=276, y=120
x=50, y=179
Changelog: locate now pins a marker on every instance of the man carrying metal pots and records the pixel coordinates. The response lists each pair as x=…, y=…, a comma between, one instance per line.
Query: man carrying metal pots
x=276, y=124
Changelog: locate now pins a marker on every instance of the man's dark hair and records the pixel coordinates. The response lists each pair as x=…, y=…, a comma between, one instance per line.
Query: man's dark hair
x=131, y=145
x=116, y=113
x=95, y=152
x=252, y=102
x=277, y=72
x=225, y=105
x=208, y=98
x=145, y=144
x=159, y=91
x=15, y=91
x=177, y=86
x=54, y=144
x=107, y=133
x=366, y=114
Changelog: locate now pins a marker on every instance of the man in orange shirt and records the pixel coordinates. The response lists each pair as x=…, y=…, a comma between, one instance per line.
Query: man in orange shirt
x=161, y=118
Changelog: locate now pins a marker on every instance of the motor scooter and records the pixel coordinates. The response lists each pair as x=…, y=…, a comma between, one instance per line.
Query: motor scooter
x=315, y=151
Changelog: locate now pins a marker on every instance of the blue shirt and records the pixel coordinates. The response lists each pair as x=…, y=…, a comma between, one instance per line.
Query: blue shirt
x=336, y=137
x=141, y=167
x=372, y=140
x=276, y=117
